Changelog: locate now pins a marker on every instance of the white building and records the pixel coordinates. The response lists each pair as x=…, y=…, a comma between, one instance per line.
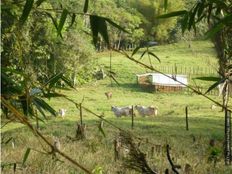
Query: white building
x=160, y=82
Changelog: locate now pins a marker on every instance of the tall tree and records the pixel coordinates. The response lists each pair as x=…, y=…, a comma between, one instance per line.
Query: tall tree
x=154, y=28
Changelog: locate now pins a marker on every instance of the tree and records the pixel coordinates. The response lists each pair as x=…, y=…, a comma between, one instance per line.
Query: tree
x=154, y=28
x=218, y=15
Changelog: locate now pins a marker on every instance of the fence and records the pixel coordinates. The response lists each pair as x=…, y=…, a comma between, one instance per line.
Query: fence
x=187, y=70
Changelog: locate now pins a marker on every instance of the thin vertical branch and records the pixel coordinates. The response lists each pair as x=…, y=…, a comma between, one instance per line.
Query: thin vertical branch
x=186, y=117
x=132, y=117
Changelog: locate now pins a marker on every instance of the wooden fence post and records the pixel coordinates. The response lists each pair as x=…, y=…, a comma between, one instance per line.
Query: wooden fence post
x=227, y=150
x=132, y=117
x=81, y=113
x=116, y=150
x=186, y=118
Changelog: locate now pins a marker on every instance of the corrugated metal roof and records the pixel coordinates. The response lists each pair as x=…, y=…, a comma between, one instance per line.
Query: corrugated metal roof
x=160, y=79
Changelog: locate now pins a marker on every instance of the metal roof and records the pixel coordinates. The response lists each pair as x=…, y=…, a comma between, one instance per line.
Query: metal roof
x=160, y=79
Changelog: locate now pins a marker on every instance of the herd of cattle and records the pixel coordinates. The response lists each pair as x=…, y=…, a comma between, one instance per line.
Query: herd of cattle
x=127, y=110
x=124, y=111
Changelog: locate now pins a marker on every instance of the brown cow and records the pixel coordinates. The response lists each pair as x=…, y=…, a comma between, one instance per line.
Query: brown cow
x=108, y=95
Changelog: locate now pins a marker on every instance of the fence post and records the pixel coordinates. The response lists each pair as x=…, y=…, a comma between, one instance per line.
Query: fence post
x=116, y=149
x=81, y=113
x=186, y=117
x=132, y=117
x=227, y=150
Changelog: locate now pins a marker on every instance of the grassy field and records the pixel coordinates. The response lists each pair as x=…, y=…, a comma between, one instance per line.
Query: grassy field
x=96, y=151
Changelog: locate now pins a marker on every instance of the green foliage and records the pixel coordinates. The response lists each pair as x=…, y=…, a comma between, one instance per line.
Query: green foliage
x=98, y=25
x=26, y=11
x=28, y=57
x=86, y=6
x=26, y=155
x=98, y=170
x=62, y=21
x=154, y=28
x=218, y=17
x=121, y=17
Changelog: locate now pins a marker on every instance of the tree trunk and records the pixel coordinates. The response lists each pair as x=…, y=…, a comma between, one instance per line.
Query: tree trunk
x=227, y=150
x=219, y=44
x=119, y=41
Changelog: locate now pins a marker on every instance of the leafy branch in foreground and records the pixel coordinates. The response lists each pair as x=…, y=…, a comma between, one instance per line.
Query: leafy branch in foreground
x=23, y=120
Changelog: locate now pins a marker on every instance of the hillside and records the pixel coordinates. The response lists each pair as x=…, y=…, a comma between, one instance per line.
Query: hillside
x=187, y=147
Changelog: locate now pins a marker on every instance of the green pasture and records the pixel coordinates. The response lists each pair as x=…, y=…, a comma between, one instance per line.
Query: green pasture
x=96, y=151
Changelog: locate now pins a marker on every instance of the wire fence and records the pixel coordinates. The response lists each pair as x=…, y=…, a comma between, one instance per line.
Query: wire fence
x=187, y=70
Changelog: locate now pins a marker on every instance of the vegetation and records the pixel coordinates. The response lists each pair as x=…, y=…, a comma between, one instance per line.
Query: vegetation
x=46, y=47
x=168, y=127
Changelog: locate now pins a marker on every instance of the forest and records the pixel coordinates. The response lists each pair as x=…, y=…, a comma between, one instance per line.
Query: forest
x=77, y=90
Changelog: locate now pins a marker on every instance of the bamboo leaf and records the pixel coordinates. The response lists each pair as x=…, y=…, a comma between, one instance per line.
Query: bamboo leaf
x=165, y=5
x=86, y=6
x=40, y=119
x=53, y=21
x=27, y=108
x=116, y=25
x=218, y=27
x=39, y=108
x=94, y=28
x=103, y=30
x=227, y=19
x=39, y=2
x=14, y=167
x=184, y=22
x=73, y=19
x=26, y=155
x=54, y=79
x=135, y=50
x=44, y=105
x=54, y=94
x=214, y=85
x=98, y=25
x=143, y=54
x=192, y=17
x=152, y=54
x=111, y=72
x=26, y=11
x=200, y=9
x=210, y=7
x=68, y=82
x=114, y=79
x=173, y=14
x=62, y=21
x=7, y=141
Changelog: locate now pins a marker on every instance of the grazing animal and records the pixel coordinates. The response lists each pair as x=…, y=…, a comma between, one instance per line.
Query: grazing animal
x=122, y=111
x=108, y=95
x=213, y=107
x=62, y=112
x=143, y=110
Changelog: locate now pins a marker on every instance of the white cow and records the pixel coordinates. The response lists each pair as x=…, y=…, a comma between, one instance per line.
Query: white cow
x=62, y=112
x=121, y=111
x=143, y=110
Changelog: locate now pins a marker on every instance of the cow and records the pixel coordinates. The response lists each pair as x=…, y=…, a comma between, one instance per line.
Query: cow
x=149, y=111
x=121, y=111
x=108, y=95
x=62, y=112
